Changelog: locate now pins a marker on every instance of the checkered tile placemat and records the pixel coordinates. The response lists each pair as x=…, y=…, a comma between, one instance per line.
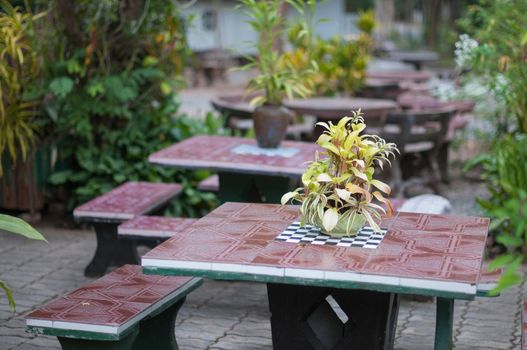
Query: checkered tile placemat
x=366, y=238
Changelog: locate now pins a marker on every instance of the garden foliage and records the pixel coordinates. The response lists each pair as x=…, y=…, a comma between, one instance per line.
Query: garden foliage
x=497, y=57
x=112, y=72
x=341, y=61
x=19, y=69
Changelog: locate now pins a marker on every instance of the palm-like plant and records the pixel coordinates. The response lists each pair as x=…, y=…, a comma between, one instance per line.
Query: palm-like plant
x=339, y=190
x=18, y=68
x=277, y=77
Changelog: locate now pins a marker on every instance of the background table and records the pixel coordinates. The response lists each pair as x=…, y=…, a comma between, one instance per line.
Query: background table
x=400, y=75
x=323, y=108
x=415, y=58
x=243, y=177
x=421, y=254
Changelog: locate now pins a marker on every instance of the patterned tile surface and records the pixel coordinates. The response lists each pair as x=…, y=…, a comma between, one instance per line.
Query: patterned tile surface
x=154, y=226
x=216, y=153
x=128, y=200
x=417, y=246
x=111, y=300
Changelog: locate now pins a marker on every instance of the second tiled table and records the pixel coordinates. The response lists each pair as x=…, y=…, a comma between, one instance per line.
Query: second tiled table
x=246, y=173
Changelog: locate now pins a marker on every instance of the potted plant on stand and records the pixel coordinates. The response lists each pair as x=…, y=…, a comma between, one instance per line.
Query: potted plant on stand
x=277, y=78
x=339, y=190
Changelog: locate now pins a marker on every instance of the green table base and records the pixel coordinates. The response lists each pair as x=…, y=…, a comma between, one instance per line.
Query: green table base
x=444, y=324
x=236, y=187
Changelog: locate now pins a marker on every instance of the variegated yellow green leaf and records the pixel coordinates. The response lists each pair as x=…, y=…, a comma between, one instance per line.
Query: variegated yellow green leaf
x=330, y=219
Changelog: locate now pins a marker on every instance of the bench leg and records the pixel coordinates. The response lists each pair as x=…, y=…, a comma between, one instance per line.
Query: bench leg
x=110, y=251
x=82, y=344
x=303, y=319
x=272, y=188
x=444, y=324
x=253, y=188
x=159, y=330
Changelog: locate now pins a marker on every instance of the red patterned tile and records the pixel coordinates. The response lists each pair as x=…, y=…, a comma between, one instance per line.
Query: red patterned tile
x=154, y=226
x=308, y=256
x=111, y=300
x=466, y=225
x=415, y=247
x=215, y=152
x=232, y=233
x=128, y=200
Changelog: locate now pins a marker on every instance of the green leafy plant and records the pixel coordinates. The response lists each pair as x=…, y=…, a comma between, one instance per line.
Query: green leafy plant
x=505, y=172
x=339, y=190
x=277, y=78
x=19, y=69
x=500, y=29
x=341, y=61
x=495, y=55
x=19, y=227
x=112, y=74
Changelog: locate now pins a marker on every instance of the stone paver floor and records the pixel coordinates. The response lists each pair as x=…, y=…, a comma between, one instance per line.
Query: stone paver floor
x=222, y=315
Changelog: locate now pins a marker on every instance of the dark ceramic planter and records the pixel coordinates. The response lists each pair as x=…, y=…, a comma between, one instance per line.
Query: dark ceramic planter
x=270, y=125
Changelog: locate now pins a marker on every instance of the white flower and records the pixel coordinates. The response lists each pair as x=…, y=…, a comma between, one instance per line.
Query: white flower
x=464, y=50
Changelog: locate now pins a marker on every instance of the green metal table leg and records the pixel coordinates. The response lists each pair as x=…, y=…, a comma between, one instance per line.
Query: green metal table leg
x=444, y=324
x=236, y=187
x=272, y=188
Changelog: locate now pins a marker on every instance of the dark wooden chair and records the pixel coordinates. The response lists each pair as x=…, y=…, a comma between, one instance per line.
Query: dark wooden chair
x=417, y=133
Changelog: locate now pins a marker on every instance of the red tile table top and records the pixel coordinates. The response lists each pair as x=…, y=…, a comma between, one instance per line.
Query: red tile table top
x=215, y=153
x=155, y=226
x=128, y=201
x=419, y=250
x=111, y=303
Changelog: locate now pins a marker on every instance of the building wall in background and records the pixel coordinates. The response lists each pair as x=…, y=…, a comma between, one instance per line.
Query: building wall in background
x=217, y=24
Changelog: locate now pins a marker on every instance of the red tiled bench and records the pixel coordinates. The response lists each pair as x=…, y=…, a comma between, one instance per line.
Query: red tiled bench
x=210, y=184
x=157, y=228
x=122, y=310
x=106, y=212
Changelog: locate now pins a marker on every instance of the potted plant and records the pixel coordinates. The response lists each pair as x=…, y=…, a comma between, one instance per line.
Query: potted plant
x=339, y=190
x=277, y=78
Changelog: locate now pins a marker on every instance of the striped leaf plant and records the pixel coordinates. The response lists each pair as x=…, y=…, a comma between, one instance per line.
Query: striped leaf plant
x=340, y=193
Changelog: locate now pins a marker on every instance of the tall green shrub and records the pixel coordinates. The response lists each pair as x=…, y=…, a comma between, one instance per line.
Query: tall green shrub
x=113, y=69
x=498, y=59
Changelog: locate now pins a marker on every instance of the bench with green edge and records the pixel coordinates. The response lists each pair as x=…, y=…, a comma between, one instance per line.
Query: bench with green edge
x=153, y=228
x=106, y=212
x=122, y=310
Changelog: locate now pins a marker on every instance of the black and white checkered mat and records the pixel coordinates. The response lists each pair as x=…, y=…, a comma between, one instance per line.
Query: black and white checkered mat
x=366, y=238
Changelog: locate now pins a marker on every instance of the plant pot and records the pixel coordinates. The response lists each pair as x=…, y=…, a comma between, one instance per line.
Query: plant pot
x=23, y=185
x=270, y=125
x=340, y=230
